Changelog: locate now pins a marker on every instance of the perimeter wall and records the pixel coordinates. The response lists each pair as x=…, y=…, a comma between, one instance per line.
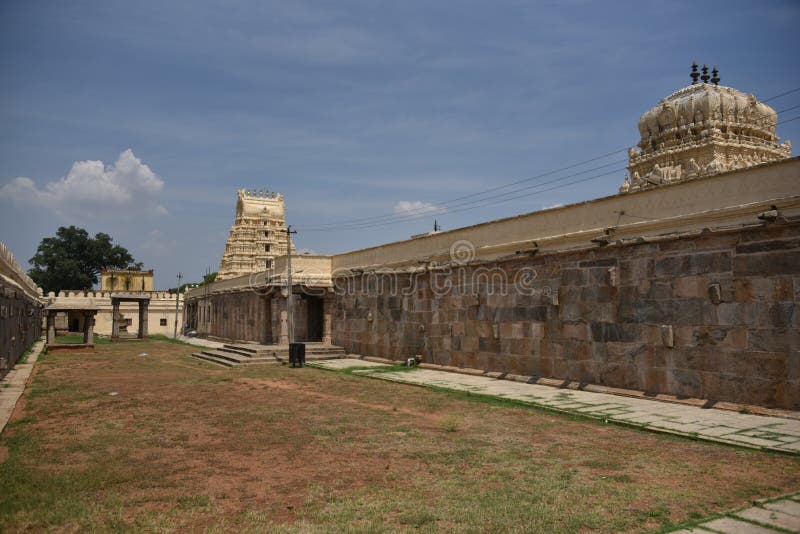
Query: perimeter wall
x=689, y=288
x=20, y=311
x=706, y=314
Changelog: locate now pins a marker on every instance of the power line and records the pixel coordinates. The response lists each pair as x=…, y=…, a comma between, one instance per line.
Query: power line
x=782, y=94
x=492, y=202
x=446, y=206
x=789, y=120
x=440, y=205
x=464, y=205
x=787, y=109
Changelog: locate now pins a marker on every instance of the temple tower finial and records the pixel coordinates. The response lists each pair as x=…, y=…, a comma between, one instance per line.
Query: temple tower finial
x=694, y=73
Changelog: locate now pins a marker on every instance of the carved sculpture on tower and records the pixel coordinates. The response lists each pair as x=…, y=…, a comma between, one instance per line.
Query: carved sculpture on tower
x=701, y=130
x=257, y=236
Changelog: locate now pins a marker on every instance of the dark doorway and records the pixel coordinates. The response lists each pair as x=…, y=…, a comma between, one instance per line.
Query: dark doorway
x=314, y=310
x=74, y=325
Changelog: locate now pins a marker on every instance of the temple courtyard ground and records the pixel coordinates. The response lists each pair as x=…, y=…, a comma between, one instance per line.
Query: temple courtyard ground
x=140, y=436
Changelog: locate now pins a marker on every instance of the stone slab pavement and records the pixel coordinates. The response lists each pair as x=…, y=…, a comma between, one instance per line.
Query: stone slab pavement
x=745, y=430
x=200, y=342
x=771, y=517
x=13, y=384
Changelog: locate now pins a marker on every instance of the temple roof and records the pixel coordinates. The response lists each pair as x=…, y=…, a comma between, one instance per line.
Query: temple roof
x=700, y=130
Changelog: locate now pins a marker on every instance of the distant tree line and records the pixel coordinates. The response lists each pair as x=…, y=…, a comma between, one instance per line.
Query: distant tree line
x=73, y=260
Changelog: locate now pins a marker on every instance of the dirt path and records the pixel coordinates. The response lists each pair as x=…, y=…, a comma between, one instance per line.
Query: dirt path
x=117, y=440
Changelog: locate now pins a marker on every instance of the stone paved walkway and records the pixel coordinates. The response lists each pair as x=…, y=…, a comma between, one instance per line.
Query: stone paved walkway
x=780, y=515
x=754, y=431
x=13, y=384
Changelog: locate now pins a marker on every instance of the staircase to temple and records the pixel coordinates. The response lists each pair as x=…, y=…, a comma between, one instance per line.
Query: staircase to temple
x=235, y=355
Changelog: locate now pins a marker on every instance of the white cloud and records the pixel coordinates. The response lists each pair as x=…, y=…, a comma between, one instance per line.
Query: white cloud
x=128, y=187
x=415, y=207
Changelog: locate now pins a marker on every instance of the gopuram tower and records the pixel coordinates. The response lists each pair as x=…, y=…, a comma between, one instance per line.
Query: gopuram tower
x=257, y=236
x=703, y=129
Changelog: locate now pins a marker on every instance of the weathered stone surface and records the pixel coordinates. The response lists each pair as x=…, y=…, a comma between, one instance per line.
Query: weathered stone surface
x=743, y=349
x=767, y=264
x=729, y=525
x=768, y=246
x=615, y=332
x=774, y=518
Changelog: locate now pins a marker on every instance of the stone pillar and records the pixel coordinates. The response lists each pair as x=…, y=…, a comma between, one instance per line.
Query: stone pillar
x=88, y=328
x=283, y=333
x=114, y=319
x=51, y=327
x=144, y=308
x=146, y=327
x=327, y=304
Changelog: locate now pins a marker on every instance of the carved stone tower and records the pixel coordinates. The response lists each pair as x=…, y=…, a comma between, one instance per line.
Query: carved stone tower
x=257, y=236
x=700, y=130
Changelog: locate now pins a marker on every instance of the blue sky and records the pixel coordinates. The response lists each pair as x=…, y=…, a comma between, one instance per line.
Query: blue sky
x=350, y=109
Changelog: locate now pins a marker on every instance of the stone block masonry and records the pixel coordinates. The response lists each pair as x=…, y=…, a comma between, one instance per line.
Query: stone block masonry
x=20, y=311
x=709, y=314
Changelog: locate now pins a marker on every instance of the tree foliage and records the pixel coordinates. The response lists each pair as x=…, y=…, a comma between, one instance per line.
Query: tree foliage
x=73, y=260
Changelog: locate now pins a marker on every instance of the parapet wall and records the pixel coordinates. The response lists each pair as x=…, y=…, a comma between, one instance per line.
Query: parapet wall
x=20, y=311
x=706, y=314
x=730, y=198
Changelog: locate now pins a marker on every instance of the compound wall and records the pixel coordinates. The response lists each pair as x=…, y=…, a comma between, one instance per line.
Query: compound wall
x=20, y=311
x=706, y=314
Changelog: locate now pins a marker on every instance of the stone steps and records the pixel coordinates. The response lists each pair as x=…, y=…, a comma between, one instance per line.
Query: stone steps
x=213, y=359
x=242, y=351
x=236, y=355
x=282, y=350
x=238, y=358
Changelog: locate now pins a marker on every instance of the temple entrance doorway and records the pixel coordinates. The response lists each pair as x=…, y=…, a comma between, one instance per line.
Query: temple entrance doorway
x=314, y=318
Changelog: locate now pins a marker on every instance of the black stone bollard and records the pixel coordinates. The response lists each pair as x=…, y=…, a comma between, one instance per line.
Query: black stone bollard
x=297, y=354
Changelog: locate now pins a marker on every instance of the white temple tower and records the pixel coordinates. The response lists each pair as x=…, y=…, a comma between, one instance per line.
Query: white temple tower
x=257, y=236
x=700, y=130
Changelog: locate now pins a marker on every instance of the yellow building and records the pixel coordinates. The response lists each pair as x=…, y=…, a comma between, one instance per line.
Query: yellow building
x=124, y=280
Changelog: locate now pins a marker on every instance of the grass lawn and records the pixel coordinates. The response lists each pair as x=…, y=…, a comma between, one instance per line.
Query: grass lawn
x=184, y=445
x=78, y=339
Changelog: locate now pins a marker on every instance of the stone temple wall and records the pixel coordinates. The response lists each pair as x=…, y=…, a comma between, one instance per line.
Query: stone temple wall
x=235, y=316
x=245, y=315
x=20, y=311
x=709, y=314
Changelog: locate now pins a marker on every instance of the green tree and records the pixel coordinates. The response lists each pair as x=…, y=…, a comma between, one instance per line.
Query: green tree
x=73, y=260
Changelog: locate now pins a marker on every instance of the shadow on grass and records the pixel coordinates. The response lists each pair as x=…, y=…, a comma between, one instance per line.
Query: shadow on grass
x=77, y=339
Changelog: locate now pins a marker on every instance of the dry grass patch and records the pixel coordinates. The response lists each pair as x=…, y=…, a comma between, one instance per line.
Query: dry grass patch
x=186, y=445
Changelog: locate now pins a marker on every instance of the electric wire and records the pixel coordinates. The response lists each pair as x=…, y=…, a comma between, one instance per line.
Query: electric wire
x=790, y=91
x=490, y=203
x=445, y=207
x=444, y=204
